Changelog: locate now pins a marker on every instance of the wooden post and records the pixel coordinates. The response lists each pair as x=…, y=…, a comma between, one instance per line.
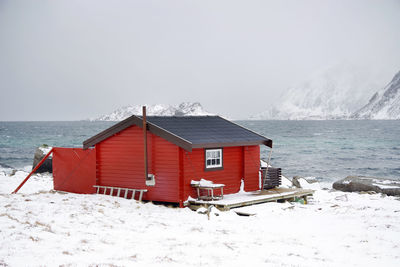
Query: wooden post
x=33, y=171
x=145, y=143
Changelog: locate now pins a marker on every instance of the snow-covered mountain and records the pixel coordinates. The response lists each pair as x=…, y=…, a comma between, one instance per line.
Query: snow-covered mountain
x=384, y=104
x=333, y=93
x=183, y=109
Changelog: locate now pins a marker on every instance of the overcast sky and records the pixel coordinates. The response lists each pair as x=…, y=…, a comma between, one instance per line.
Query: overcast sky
x=70, y=60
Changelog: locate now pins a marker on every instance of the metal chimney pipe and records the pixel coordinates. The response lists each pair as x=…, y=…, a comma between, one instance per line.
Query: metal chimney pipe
x=145, y=141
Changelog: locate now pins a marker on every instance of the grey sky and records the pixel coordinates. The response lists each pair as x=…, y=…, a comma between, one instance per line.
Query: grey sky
x=68, y=60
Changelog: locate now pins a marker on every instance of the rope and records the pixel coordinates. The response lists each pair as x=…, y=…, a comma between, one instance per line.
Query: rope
x=266, y=172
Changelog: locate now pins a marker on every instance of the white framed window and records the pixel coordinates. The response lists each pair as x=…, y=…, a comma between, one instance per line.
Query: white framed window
x=213, y=158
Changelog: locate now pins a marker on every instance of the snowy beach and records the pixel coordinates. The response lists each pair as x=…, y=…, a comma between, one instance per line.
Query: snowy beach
x=40, y=227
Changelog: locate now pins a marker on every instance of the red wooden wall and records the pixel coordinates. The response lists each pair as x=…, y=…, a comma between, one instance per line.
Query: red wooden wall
x=74, y=170
x=238, y=163
x=251, y=168
x=120, y=163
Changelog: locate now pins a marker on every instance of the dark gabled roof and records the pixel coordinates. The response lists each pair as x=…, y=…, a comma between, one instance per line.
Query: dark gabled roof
x=189, y=132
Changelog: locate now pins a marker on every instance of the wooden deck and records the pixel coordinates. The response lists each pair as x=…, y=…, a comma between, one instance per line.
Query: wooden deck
x=251, y=198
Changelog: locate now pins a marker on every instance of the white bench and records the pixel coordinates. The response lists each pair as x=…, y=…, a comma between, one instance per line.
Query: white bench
x=208, y=187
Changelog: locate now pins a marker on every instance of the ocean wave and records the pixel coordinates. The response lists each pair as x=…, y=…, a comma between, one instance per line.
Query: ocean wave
x=5, y=166
x=22, y=158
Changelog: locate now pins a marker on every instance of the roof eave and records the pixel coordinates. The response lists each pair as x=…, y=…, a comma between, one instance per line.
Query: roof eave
x=266, y=142
x=132, y=120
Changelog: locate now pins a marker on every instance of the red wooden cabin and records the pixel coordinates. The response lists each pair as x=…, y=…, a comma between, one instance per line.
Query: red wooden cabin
x=179, y=150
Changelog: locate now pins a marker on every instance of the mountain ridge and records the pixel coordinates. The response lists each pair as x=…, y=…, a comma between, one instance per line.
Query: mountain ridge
x=336, y=92
x=384, y=104
x=183, y=109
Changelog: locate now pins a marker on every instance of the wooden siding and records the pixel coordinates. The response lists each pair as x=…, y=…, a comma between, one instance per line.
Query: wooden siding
x=238, y=163
x=120, y=163
x=251, y=168
x=230, y=175
x=165, y=166
x=74, y=170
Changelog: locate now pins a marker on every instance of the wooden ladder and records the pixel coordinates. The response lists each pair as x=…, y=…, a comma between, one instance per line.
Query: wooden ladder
x=119, y=190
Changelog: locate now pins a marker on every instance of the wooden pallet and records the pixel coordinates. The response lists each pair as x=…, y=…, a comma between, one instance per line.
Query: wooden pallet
x=272, y=178
x=253, y=198
x=109, y=190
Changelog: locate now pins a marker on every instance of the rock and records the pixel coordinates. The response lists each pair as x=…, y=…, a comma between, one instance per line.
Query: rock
x=311, y=180
x=40, y=152
x=202, y=210
x=367, y=184
x=295, y=181
x=306, y=183
x=13, y=172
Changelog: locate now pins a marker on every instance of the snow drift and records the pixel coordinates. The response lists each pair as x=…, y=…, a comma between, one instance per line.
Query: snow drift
x=46, y=228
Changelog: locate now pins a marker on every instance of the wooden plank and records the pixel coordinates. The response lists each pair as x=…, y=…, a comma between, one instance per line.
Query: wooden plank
x=296, y=193
x=33, y=171
x=133, y=194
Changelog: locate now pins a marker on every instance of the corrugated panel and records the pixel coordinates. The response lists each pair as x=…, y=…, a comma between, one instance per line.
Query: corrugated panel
x=231, y=175
x=74, y=170
x=120, y=163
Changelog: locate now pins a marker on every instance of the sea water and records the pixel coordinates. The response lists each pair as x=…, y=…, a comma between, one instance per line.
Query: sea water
x=328, y=150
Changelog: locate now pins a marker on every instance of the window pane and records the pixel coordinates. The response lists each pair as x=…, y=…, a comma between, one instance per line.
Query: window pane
x=213, y=158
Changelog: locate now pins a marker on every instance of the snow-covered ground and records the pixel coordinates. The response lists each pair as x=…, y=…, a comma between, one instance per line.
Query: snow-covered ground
x=41, y=227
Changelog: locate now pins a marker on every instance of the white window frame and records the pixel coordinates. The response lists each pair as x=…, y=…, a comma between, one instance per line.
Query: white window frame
x=210, y=154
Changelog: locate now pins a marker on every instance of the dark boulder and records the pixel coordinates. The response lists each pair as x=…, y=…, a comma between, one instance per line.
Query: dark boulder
x=47, y=165
x=365, y=184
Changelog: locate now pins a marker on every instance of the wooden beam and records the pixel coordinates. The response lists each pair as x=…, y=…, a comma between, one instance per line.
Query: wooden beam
x=33, y=171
